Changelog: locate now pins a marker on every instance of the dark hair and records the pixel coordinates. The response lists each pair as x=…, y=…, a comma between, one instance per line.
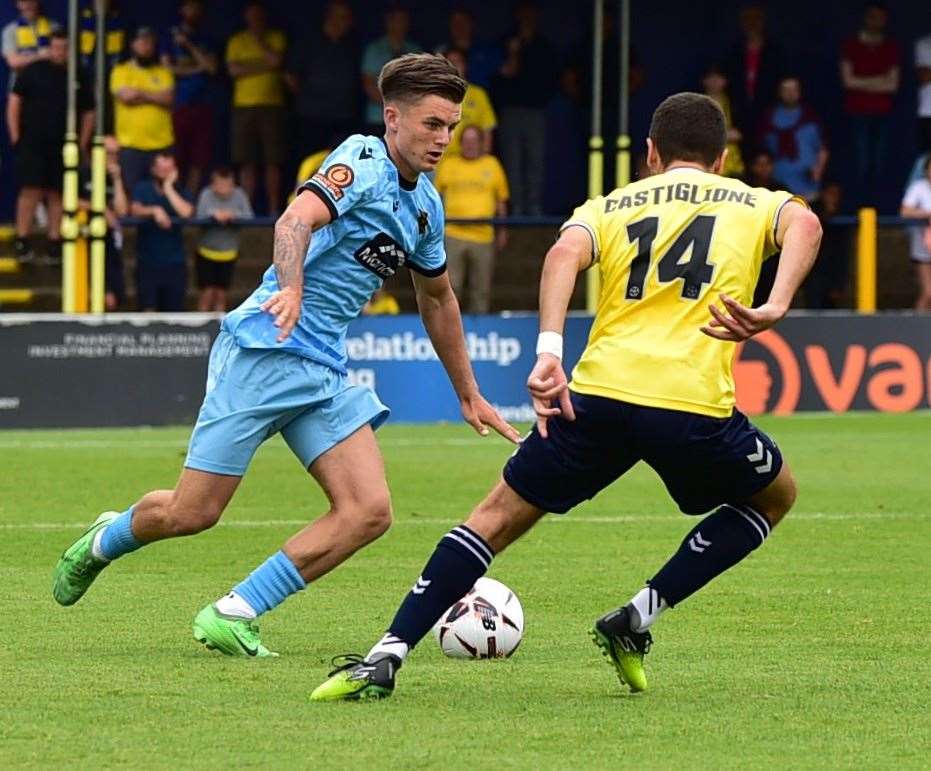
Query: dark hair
x=413, y=76
x=224, y=172
x=59, y=34
x=689, y=127
x=166, y=153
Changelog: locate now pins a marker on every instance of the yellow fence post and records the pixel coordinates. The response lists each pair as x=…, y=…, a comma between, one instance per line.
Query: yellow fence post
x=595, y=188
x=866, y=260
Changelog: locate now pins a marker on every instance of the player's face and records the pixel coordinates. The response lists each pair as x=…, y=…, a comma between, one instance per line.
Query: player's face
x=421, y=130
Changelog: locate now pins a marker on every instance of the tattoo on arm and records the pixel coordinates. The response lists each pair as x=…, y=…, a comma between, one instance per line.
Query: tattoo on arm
x=292, y=237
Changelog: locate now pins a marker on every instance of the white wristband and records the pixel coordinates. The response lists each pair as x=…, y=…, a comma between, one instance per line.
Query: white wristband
x=550, y=342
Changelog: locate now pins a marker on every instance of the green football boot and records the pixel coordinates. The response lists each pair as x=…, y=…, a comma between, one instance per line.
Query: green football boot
x=230, y=635
x=354, y=678
x=78, y=567
x=623, y=647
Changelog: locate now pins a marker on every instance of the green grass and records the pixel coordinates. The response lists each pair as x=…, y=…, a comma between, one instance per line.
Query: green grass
x=814, y=653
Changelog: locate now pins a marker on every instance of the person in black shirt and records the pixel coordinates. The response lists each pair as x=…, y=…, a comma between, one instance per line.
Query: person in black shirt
x=524, y=86
x=826, y=285
x=36, y=111
x=323, y=74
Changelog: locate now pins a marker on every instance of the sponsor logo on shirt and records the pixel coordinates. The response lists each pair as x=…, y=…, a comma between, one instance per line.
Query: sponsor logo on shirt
x=382, y=255
x=335, y=179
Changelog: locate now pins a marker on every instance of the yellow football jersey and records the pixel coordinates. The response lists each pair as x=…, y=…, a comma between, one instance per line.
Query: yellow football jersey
x=667, y=246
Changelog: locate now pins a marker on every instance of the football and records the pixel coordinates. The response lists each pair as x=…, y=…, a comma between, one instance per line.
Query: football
x=487, y=623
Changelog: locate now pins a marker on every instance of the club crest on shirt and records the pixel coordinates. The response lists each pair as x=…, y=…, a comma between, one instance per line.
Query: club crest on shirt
x=335, y=179
x=382, y=255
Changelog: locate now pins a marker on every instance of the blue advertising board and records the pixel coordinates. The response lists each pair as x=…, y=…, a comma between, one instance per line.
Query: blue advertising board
x=393, y=355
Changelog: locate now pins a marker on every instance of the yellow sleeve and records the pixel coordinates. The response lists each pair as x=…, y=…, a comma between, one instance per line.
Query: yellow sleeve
x=117, y=79
x=234, y=48
x=775, y=202
x=487, y=118
x=502, y=191
x=589, y=217
x=277, y=41
x=169, y=79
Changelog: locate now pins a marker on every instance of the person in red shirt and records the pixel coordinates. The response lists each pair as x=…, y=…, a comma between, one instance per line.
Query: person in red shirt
x=870, y=71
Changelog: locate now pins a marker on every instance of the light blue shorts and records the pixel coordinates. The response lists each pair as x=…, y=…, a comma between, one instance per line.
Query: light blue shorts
x=253, y=393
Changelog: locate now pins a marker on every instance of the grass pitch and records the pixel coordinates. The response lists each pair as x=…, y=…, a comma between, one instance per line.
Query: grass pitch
x=814, y=653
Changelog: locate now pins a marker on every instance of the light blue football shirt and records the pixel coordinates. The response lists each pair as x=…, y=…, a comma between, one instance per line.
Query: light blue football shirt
x=380, y=223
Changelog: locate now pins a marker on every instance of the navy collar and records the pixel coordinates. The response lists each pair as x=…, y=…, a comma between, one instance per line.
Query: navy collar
x=405, y=184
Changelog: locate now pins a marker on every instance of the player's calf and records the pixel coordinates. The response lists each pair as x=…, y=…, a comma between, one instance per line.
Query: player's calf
x=717, y=543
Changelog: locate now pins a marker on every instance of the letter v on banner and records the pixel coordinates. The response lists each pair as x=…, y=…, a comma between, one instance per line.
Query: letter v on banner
x=837, y=395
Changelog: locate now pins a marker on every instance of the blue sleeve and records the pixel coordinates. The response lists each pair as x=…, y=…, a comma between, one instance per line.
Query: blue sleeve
x=429, y=259
x=346, y=178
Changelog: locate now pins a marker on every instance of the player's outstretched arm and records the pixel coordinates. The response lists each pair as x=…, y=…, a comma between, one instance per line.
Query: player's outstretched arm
x=799, y=234
x=293, y=230
x=439, y=310
x=568, y=257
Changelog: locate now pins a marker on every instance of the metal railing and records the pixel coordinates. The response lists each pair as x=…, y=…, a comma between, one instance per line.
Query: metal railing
x=866, y=221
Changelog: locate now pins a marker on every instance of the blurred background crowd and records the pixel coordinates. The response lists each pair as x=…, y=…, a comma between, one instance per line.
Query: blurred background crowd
x=218, y=109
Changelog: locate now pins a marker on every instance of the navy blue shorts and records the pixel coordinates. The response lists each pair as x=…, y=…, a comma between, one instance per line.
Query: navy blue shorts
x=161, y=287
x=703, y=461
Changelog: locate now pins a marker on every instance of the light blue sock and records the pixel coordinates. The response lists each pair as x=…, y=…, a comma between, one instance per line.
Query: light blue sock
x=117, y=538
x=271, y=583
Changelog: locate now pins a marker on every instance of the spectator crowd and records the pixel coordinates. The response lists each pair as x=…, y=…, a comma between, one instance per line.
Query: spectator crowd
x=292, y=100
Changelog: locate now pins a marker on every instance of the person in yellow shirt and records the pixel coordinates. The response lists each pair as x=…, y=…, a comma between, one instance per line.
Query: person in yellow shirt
x=714, y=83
x=382, y=303
x=678, y=254
x=143, y=93
x=473, y=186
x=254, y=58
x=476, y=109
x=27, y=38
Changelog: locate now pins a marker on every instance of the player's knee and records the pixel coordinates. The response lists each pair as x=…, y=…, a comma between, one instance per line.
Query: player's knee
x=373, y=514
x=186, y=520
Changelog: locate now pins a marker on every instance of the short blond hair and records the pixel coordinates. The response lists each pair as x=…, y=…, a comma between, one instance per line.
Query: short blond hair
x=413, y=76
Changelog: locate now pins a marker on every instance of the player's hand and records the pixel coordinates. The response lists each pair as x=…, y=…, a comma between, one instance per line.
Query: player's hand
x=547, y=382
x=479, y=414
x=738, y=322
x=161, y=218
x=285, y=306
x=501, y=239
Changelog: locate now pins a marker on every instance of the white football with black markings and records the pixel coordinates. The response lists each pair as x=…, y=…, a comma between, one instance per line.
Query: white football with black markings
x=487, y=623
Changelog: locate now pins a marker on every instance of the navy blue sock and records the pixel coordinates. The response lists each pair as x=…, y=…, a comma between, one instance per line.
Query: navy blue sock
x=460, y=559
x=718, y=542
